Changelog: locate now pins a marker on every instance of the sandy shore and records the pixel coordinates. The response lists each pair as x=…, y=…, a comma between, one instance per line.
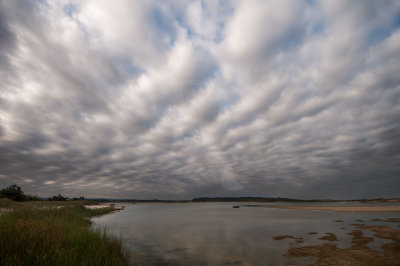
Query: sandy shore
x=339, y=208
x=101, y=206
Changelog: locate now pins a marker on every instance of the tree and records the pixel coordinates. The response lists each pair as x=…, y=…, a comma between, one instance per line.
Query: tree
x=13, y=192
x=58, y=198
x=80, y=198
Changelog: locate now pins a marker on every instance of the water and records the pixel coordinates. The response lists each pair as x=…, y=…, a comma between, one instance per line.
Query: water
x=217, y=234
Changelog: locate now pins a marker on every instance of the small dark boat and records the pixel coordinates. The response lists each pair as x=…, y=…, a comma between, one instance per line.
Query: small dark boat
x=235, y=206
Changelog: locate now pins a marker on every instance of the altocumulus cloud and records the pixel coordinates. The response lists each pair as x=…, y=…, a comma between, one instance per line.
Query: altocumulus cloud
x=177, y=99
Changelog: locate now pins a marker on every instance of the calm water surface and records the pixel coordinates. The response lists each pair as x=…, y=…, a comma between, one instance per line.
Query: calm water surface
x=217, y=234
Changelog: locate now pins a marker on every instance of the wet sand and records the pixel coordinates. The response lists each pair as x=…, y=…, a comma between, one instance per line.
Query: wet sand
x=338, y=208
x=359, y=253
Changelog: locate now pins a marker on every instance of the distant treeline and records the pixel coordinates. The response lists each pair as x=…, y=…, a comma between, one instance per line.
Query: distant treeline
x=138, y=200
x=60, y=197
x=255, y=199
x=14, y=192
x=241, y=199
x=279, y=199
x=209, y=199
x=246, y=199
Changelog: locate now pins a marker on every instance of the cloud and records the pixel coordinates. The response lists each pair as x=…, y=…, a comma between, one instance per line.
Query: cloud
x=176, y=100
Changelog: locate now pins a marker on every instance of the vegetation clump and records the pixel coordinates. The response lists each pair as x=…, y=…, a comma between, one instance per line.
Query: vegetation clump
x=59, y=197
x=47, y=235
x=15, y=193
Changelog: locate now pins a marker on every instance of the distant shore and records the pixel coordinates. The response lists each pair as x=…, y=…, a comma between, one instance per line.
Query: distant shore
x=336, y=208
x=246, y=199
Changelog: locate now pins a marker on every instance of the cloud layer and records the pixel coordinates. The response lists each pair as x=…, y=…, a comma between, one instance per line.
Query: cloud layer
x=170, y=99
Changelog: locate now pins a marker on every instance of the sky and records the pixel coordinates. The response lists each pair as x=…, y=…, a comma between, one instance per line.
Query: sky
x=182, y=99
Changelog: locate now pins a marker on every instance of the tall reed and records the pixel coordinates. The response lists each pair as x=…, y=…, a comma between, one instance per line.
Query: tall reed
x=49, y=235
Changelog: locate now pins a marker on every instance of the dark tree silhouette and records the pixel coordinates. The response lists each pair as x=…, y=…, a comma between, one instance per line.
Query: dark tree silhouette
x=58, y=198
x=13, y=192
x=80, y=198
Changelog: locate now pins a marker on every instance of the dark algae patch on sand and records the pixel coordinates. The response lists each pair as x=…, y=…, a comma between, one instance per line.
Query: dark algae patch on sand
x=359, y=253
x=393, y=220
x=329, y=237
x=48, y=235
x=381, y=231
x=284, y=237
x=359, y=238
x=329, y=254
x=297, y=239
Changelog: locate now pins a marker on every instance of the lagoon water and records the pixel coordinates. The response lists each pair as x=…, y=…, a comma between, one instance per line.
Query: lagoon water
x=217, y=234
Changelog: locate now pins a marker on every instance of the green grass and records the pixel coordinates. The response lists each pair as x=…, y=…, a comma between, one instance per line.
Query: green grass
x=40, y=234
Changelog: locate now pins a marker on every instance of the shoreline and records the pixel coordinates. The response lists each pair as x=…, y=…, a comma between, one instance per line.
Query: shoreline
x=334, y=208
x=102, y=206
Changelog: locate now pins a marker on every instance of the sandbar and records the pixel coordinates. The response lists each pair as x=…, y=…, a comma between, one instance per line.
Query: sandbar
x=338, y=208
x=101, y=206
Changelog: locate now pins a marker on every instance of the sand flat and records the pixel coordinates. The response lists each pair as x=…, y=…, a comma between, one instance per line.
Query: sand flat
x=359, y=253
x=341, y=208
x=101, y=206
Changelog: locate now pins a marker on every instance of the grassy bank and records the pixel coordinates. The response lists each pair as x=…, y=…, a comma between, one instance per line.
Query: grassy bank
x=42, y=234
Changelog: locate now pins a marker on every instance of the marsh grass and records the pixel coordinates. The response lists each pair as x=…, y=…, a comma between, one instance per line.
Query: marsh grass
x=42, y=234
x=7, y=203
